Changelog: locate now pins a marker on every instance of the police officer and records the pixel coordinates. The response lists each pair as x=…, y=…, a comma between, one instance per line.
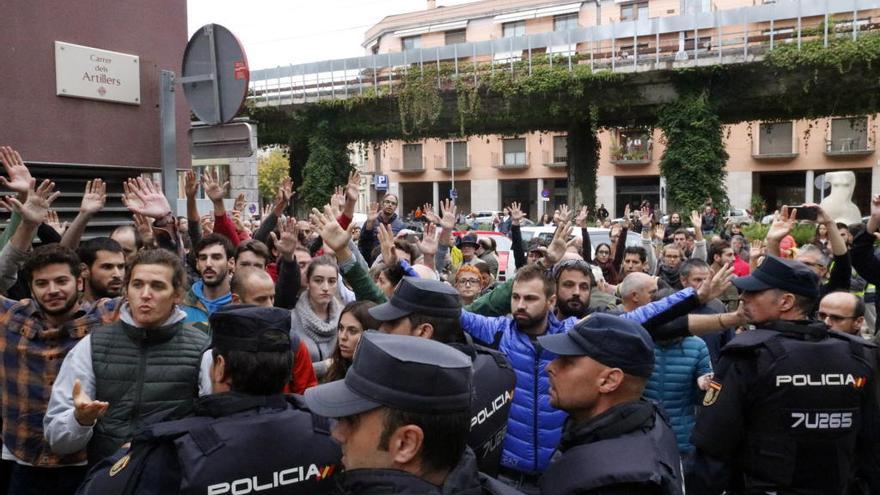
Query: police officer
x=245, y=438
x=403, y=414
x=431, y=309
x=613, y=441
x=792, y=406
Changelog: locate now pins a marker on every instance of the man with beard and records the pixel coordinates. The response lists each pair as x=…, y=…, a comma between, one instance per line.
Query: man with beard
x=574, y=284
x=385, y=213
x=36, y=335
x=103, y=268
x=214, y=260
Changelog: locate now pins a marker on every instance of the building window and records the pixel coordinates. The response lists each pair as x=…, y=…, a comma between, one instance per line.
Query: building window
x=632, y=146
x=565, y=22
x=412, y=157
x=560, y=149
x=411, y=42
x=514, y=29
x=456, y=155
x=849, y=134
x=775, y=139
x=455, y=37
x=222, y=171
x=514, y=152
x=633, y=11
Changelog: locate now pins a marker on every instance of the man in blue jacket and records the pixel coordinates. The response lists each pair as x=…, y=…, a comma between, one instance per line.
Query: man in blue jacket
x=534, y=426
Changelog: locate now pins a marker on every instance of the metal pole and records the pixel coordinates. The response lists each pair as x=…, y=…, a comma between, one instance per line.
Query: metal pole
x=529, y=41
x=772, y=33
x=375, y=77
x=332, y=82
x=720, y=51
x=290, y=69
x=278, y=73
x=855, y=33
x=635, y=47
x=746, y=35
x=474, y=59
x=568, y=38
x=799, y=24
x=613, y=55
x=345, y=76
x=455, y=58
x=656, y=43
x=510, y=55
x=168, y=138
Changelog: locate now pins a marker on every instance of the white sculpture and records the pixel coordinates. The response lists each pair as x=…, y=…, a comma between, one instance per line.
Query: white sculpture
x=838, y=204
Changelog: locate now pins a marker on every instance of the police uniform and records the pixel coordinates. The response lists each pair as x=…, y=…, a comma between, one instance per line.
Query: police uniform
x=793, y=406
x=629, y=449
x=494, y=377
x=392, y=371
x=235, y=442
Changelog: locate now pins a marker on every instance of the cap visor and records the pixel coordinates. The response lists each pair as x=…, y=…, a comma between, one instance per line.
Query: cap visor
x=561, y=344
x=387, y=312
x=336, y=400
x=750, y=283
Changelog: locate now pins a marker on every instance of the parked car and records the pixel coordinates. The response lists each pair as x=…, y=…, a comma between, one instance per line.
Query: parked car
x=484, y=217
x=738, y=215
x=597, y=236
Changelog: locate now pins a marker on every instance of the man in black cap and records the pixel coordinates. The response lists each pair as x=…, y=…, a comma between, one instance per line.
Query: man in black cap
x=404, y=413
x=792, y=406
x=613, y=442
x=468, y=246
x=245, y=438
x=431, y=309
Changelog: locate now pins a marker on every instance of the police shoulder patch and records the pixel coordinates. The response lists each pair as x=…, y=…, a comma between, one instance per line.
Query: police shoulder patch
x=120, y=465
x=712, y=393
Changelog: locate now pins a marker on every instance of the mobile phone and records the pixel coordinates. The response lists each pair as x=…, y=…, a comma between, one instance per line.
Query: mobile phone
x=804, y=212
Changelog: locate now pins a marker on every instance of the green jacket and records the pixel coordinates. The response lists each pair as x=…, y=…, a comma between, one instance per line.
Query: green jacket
x=495, y=303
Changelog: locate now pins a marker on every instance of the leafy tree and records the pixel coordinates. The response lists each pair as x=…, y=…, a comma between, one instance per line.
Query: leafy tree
x=272, y=168
x=328, y=166
x=694, y=159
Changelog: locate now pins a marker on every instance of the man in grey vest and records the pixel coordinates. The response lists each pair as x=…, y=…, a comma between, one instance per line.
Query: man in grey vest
x=132, y=372
x=613, y=441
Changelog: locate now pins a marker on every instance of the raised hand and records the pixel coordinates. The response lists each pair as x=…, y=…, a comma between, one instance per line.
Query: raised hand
x=448, y=208
x=287, y=239
x=386, y=241
x=337, y=200
x=645, y=217
x=372, y=215
x=36, y=208
x=94, y=198
x=581, y=219
x=564, y=213
x=430, y=214
x=697, y=220
x=756, y=248
x=19, y=177
x=714, y=287
x=239, y=202
x=143, y=196
x=557, y=217
x=331, y=232
x=556, y=248
x=213, y=189
x=875, y=206
x=207, y=223
x=783, y=221
x=85, y=410
x=428, y=244
x=56, y=224
x=659, y=232
x=190, y=184
x=353, y=188
x=285, y=192
x=145, y=229
x=516, y=213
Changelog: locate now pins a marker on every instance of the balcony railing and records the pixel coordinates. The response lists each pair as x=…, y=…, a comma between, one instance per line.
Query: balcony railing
x=553, y=161
x=847, y=146
x=401, y=167
x=784, y=153
x=725, y=36
x=511, y=161
x=441, y=163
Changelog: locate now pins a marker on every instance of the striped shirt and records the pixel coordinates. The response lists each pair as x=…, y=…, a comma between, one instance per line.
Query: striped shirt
x=32, y=352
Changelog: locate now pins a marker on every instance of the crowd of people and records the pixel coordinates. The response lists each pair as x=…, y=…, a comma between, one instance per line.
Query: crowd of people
x=220, y=354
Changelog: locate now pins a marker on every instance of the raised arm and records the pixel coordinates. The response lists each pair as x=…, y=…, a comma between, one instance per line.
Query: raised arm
x=783, y=221
x=94, y=198
x=516, y=215
x=289, y=281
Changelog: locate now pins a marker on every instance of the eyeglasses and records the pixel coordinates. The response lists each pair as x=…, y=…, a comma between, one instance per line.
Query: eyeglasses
x=467, y=281
x=834, y=318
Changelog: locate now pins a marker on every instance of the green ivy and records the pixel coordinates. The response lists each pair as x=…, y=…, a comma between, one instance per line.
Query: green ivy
x=694, y=158
x=328, y=165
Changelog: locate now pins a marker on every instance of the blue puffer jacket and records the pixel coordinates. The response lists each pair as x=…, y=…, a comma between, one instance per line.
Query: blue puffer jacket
x=534, y=426
x=677, y=365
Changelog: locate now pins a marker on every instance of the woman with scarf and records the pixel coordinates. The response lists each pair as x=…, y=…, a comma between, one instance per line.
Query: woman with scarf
x=316, y=314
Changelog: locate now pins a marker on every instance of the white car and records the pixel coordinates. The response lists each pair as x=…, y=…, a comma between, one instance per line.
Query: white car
x=597, y=236
x=484, y=217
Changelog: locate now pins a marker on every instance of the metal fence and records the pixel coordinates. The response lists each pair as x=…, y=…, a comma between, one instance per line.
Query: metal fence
x=719, y=37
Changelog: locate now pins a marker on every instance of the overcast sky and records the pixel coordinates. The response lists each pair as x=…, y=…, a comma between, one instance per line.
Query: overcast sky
x=282, y=32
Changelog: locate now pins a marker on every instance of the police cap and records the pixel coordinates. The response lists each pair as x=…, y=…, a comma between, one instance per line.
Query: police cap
x=777, y=273
x=610, y=340
x=419, y=295
x=250, y=328
x=397, y=371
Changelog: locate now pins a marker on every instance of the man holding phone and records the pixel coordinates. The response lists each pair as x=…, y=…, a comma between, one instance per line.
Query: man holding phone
x=835, y=279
